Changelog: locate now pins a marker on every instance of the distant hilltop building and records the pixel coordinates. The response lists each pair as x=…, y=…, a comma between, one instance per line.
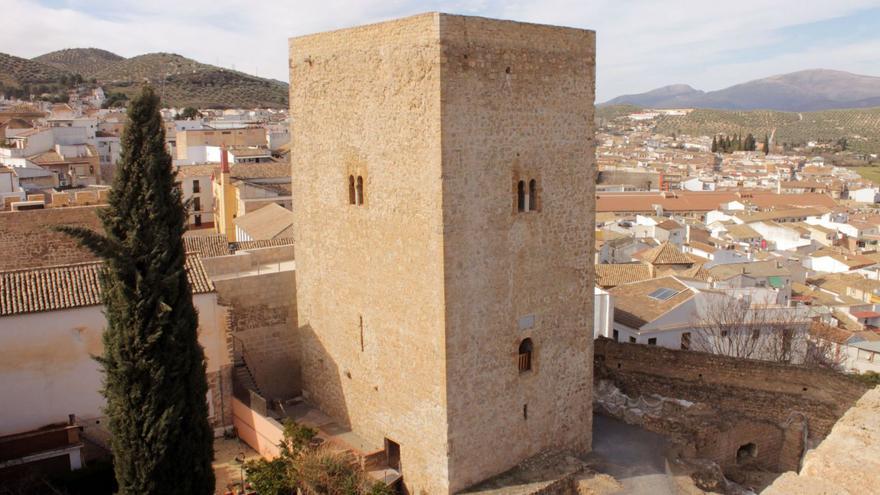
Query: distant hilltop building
x=443, y=185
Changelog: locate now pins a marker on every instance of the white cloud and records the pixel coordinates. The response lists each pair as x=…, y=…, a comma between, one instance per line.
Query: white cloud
x=642, y=44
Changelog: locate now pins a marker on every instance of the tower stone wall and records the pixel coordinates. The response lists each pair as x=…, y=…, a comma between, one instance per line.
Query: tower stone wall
x=413, y=301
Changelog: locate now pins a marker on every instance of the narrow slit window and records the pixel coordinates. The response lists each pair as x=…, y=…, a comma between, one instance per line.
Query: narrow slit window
x=351, y=193
x=533, y=195
x=359, y=190
x=521, y=196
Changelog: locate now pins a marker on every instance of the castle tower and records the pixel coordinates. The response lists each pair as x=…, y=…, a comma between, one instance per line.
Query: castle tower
x=443, y=185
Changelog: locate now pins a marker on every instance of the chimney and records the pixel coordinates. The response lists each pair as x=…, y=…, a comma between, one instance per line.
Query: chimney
x=224, y=160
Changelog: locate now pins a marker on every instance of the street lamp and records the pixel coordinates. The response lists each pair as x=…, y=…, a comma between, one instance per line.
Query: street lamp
x=240, y=460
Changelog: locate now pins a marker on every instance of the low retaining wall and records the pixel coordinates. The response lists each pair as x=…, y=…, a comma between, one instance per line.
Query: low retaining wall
x=259, y=432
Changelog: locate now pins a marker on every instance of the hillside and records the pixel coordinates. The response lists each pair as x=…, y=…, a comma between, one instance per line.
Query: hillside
x=84, y=61
x=20, y=76
x=665, y=97
x=861, y=127
x=186, y=82
x=803, y=91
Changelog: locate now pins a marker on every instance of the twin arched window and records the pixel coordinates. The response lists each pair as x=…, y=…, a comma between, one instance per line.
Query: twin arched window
x=527, y=195
x=355, y=190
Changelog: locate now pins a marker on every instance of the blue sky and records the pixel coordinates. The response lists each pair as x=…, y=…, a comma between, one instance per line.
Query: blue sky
x=642, y=44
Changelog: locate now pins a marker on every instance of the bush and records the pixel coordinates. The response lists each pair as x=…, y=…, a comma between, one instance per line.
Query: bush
x=315, y=471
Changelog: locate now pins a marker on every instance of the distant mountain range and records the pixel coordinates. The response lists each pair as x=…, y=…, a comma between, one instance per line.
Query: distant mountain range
x=181, y=81
x=803, y=91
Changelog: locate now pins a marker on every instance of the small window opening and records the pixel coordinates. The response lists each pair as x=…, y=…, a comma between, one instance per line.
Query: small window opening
x=359, y=190
x=507, y=70
x=361, y=324
x=632, y=340
x=392, y=453
x=521, y=196
x=652, y=341
x=525, y=355
x=351, y=194
x=525, y=411
x=746, y=452
x=533, y=195
x=685, y=341
x=615, y=335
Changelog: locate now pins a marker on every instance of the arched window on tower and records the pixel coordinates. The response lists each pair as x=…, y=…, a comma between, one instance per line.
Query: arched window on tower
x=525, y=355
x=521, y=196
x=359, y=190
x=533, y=195
x=351, y=195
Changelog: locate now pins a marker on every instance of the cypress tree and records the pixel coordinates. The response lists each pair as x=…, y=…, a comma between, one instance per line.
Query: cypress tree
x=766, y=144
x=714, y=144
x=153, y=365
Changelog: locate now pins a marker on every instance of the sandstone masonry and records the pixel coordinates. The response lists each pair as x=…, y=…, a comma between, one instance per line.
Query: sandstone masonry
x=422, y=267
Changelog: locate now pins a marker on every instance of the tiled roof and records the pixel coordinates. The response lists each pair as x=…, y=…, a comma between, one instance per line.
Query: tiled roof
x=634, y=307
x=611, y=275
x=781, y=213
x=243, y=245
x=70, y=286
x=687, y=201
x=753, y=269
x=743, y=231
x=207, y=246
x=665, y=254
x=268, y=222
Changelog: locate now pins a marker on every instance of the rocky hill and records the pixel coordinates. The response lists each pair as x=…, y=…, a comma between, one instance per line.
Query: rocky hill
x=21, y=77
x=803, y=91
x=181, y=81
x=186, y=82
x=84, y=61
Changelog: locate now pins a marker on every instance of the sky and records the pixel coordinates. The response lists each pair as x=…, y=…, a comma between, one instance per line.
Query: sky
x=641, y=44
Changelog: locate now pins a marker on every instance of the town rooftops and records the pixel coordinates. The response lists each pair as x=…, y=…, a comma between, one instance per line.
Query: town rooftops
x=782, y=214
x=768, y=268
x=639, y=303
x=70, y=286
x=741, y=232
x=690, y=201
x=853, y=261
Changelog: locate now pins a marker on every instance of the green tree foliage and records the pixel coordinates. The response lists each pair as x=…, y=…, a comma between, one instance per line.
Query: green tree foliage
x=153, y=365
x=311, y=470
x=114, y=100
x=714, y=144
x=189, y=113
x=766, y=144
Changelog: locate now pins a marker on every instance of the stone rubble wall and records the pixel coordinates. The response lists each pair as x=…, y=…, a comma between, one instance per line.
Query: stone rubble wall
x=847, y=462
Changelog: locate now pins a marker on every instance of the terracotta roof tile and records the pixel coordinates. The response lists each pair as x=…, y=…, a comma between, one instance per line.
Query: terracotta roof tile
x=611, y=275
x=665, y=254
x=70, y=286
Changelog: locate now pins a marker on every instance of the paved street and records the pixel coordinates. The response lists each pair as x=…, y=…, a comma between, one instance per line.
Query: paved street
x=633, y=456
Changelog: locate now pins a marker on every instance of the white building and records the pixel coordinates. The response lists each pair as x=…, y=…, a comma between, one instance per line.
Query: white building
x=52, y=325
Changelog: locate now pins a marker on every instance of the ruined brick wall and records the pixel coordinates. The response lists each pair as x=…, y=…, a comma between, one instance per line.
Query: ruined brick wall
x=410, y=304
x=27, y=239
x=261, y=313
x=738, y=401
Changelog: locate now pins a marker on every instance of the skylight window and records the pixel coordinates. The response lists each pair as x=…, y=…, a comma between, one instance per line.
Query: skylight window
x=663, y=294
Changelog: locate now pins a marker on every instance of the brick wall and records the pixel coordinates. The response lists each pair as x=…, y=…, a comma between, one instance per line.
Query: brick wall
x=28, y=241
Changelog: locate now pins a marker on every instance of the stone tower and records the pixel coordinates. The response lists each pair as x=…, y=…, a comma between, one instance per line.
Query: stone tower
x=443, y=185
